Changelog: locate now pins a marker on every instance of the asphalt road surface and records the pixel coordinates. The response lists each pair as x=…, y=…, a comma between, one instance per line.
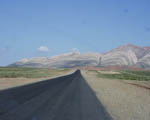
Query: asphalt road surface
x=64, y=98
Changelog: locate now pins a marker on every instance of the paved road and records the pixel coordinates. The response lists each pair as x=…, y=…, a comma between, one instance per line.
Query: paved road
x=64, y=98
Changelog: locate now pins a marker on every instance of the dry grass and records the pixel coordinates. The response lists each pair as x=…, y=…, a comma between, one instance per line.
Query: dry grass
x=14, y=72
x=125, y=75
x=22, y=78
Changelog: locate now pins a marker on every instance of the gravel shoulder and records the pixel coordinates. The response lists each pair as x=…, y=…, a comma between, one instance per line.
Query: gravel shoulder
x=123, y=101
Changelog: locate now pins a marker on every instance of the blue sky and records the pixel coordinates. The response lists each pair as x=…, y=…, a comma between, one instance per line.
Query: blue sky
x=31, y=28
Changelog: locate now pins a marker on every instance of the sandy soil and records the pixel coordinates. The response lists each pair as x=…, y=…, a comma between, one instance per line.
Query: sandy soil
x=6, y=83
x=64, y=98
x=123, y=101
x=109, y=72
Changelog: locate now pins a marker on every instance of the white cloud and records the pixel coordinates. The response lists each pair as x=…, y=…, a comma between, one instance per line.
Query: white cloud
x=43, y=49
x=75, y=50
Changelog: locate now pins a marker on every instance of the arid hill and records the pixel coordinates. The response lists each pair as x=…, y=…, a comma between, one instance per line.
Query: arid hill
x=126, y=55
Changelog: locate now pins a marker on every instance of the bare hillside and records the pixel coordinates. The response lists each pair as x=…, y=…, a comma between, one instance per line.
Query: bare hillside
x=126, y=55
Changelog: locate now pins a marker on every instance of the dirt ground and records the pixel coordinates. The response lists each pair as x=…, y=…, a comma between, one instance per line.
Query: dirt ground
x=64, y=98
x=122, y=100
x=6, y=83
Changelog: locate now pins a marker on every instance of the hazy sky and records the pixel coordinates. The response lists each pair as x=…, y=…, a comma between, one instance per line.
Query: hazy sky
x=30, y=28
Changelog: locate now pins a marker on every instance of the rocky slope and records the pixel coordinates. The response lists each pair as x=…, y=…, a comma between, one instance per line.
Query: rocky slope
x=126, y=55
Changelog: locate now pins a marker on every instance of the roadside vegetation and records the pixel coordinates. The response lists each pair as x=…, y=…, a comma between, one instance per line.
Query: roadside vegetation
x=14, y=72
x=126, y=75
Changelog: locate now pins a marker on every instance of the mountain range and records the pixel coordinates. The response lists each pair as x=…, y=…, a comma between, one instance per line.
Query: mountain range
x=125, y=55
